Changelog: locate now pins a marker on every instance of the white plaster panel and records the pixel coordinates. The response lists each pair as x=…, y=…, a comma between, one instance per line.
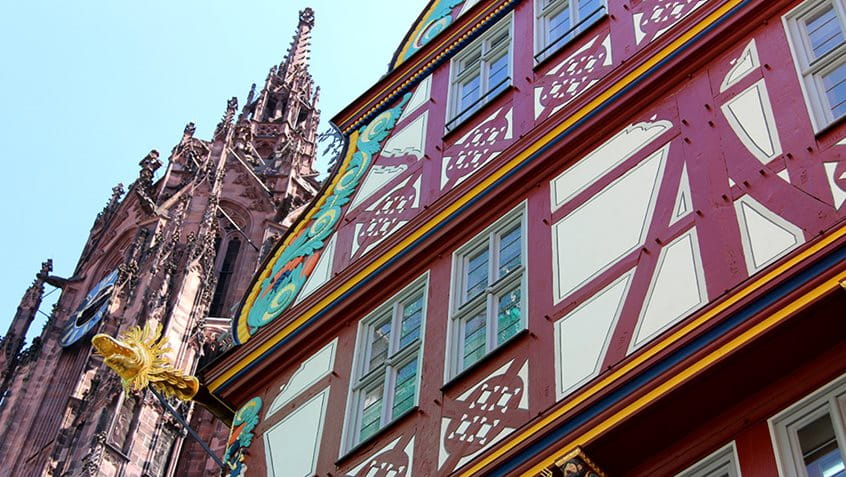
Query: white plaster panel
x=410, y=141
x=376, y=178
x=605, y=228
x=684, y=199
x=421, y=95
x=677, y=288
x=604, y=158
x=766, y=235
x=292, y=444
x=742, y=66
x=321, y=272
x=837, y=192
x=316, y=367
x=581, y=337
x=750, y=115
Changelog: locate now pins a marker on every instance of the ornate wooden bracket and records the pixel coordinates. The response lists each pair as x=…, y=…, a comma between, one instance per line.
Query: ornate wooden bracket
x=573, y=464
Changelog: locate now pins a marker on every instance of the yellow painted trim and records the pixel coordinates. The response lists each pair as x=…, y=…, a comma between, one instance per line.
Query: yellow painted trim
x=302, y=225
x=414, y=34
x=670, y=384
x=416, y=66
x=665, y=342
x=475, y=191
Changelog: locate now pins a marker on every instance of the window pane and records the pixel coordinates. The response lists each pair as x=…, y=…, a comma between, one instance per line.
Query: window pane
x=835, y=89
x=824, y=31
x=477, y=274
x=404, y=391
x=500, y=38
x=380, y=339
x=470, y=92
x=509, y=251
x=819, y=447
x=557, y=25
x=508, y=316
x=586, y=7
x=498, y=74
x=589, y=12
x=470, y=62
x=371, y=412
x=475, y=339
x=412, y=313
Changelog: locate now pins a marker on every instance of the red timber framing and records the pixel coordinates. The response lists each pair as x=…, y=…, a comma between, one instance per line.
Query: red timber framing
x=759, y=331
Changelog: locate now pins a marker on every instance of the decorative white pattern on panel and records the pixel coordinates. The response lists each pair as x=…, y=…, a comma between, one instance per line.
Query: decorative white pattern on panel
x=483, y=415
x=442, y=452
x=610, y=225
x=581, y=337
x=524, y=376
x=784, y=174
x=575, y=74
x=477, y=146
x=836, y=191
x=421, y=95
x=750, y=115
x=766, y=235
x=410, y=141
x=316, y=367
x=502, y=435
x=322, y=271
x=604, y=158
x=684, y=200
x=390, y=461
x=292, y=444
x=375, y=180
x=386, y=206
x=664, y=15
x=677, y=288
x=743, y=65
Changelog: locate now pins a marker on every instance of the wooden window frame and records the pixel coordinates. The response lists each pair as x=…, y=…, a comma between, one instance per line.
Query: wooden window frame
x=462, y=309
x=812, y=70
x=385, y=374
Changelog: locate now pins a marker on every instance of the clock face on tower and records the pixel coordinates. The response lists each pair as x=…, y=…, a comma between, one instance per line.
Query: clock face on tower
x=91, y=311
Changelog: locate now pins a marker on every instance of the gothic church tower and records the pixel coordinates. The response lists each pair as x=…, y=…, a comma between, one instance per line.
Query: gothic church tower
x=178, y=251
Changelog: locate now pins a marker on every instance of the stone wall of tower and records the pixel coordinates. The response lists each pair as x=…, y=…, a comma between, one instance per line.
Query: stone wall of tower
x=64, y=412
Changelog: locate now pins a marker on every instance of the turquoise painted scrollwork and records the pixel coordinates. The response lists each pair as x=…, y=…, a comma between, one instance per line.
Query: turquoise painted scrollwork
x=289, y=272
x=435, y=22
x=241, y=436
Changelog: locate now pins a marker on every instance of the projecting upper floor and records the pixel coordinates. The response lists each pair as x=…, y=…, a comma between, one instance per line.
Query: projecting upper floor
x=567, y=192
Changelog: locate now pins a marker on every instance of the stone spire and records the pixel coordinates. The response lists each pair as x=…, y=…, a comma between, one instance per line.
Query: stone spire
x=13, y=342
x=298, y=53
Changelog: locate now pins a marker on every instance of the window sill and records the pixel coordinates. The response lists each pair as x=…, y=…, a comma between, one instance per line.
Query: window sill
x=461, y=124
x=578, y=36
x=830, y=126
x=510, y=342
x=381, y=432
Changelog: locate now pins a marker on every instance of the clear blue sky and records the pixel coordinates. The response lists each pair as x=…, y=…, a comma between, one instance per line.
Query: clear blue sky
x=88, y=88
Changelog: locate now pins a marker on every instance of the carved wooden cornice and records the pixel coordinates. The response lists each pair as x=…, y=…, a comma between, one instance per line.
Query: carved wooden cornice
x=573, y=464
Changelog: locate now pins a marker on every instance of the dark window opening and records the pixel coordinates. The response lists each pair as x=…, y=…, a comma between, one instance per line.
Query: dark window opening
x=224, y=277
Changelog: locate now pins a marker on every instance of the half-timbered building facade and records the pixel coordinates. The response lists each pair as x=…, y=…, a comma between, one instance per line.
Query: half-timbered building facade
x=580, y=237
